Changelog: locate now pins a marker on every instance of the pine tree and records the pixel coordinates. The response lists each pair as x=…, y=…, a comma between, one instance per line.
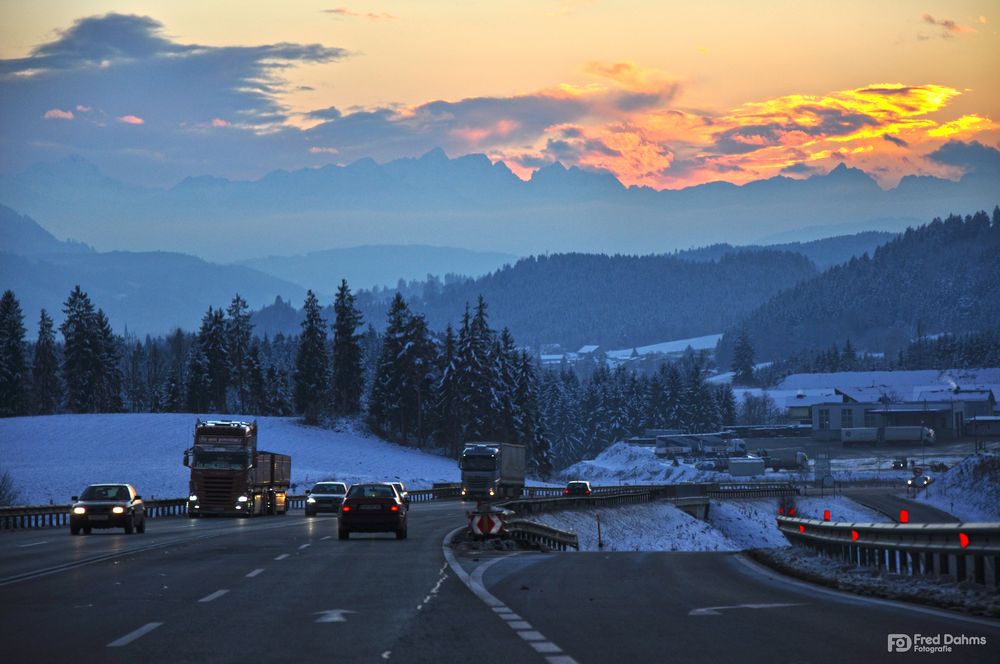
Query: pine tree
x=46, y=387
x=529, y=429
x=743, y=360
x=311, y=362
x=239, y=332
x=504, y=364
x=109, y=373
x=725, y=400
x=81, y=352
x=348, y=372
x=447, y=416
x=212, y=341
x=278, y=400
x=477, y=375
x=176, y=397
x=386, y=404
x=198, y=395
x=256, y=403
x=13, y=366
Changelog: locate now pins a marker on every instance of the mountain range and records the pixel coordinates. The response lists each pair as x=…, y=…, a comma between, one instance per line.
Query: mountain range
x=467, y=202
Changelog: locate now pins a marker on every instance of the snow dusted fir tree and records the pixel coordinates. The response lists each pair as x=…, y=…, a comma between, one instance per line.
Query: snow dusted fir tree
x=212, y=339
x=311, y=363
x=742, y=366
x=239, y=332
x=13, y=366
x=46, y=386
x=348, y=370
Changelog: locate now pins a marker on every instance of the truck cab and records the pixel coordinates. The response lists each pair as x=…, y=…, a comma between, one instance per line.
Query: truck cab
x=492, y=470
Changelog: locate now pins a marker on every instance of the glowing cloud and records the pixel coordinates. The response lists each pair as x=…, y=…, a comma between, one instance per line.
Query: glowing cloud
x=131, y=120
x=58, y=114
x=371, y=16
x=219, y=123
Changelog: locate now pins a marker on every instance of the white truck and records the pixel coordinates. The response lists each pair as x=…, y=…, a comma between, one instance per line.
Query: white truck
x=746, y=467
x=785, y=459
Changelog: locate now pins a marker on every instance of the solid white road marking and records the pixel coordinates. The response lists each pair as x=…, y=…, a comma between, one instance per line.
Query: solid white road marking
x=283, y=556
x=304, y=546
x=333, y=615
x=25, y=546
x=255, y=572
x=216, y=595
x=132, y=636
x=716, y=610
x=474, y=582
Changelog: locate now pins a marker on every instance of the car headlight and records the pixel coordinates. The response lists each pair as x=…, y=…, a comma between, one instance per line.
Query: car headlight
x=193, y=498
x=242, y=499
x=79, y=510
x=310, y=499
x=118, y=510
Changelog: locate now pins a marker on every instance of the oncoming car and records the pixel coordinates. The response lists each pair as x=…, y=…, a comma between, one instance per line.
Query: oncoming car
x=919, y=482
x=108, y=506
x=325, y=497
x=372, y=508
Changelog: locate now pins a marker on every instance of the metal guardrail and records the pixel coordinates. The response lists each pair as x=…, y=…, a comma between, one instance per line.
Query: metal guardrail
x=965, y=551
x=536, y=505
x=751, y=490
x=533, y=532
x=49, y=516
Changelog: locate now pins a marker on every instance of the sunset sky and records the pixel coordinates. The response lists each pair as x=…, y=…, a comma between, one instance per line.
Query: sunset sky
x=663, y=94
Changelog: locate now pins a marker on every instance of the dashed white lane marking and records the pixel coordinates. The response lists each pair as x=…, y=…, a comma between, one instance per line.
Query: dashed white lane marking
x=214, y=596
x=386, y=654
x=282, y=556
x=326, y=538
x=442, y=575
x=132, y=636
x=255, y=572
x=304, y=546
x=522, y=628
x=25, y=546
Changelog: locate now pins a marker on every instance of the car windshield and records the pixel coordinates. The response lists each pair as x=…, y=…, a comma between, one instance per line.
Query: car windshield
x=479, y=463
x=105, y=492
x=207, y=459
x=371, y=491
x=577, y=485
x=330, y=487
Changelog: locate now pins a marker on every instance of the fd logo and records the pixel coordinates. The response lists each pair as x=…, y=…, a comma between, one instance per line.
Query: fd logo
x=900, y=643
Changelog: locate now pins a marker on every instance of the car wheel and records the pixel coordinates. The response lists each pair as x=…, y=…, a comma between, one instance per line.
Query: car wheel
x=141, y=528
x=130, y=526
x=193, y=515
x=86, y=530
x=343, y=533
x=401, y=533
x=74, y=529
x=310, y=514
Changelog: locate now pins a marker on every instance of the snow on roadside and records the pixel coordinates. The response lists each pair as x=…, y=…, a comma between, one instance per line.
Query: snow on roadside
x=51, y=458
x=649, y=527
x=970, y=490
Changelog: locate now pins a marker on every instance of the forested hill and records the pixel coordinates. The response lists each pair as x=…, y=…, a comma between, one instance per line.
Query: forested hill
x=826, y=252
x=941, y=277
x=614, y=301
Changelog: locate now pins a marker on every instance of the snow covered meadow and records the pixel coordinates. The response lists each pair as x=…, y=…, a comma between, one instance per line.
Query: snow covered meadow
x=51, y=458
x=970, y=490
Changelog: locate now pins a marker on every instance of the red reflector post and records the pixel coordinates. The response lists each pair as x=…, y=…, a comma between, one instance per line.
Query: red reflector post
x=904, y=516
x=963, y=539
x=826, y=515
x=854, y=535
x=781, y=511
x=791, y=511
x=802, y=528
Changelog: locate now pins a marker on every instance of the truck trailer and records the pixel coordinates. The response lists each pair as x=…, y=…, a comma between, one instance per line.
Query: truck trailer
x=493, y=470
x=230, y=476
x=880, y=435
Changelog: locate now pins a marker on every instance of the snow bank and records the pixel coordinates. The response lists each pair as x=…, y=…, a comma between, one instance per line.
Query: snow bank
x=731, y=525
x=51, y=458
x=707, y=342
x=970, y=490
x=650, y=527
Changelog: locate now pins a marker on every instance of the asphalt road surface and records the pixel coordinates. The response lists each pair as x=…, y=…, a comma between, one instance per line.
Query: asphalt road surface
x=890, y=504
x=285, y=588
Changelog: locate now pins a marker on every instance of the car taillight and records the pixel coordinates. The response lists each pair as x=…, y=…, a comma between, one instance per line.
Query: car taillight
x=394, y=508
x=345, y=508
x=588, y=492
x=565, y=492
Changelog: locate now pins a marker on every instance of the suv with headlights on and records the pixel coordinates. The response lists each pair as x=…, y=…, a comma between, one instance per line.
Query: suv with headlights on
x=372, y=508
x=325, y=497
x=108, y=506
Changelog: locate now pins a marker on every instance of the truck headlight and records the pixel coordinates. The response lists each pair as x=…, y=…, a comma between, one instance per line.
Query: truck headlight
x=118, y=510
x=79, y=510
x=310, y=499
x=491, y=492
x=193, y=498
x=242, y=499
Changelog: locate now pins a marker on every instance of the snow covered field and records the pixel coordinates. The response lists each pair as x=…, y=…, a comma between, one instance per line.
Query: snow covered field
x=54, y=457
x=970, y=490
x=731, y=525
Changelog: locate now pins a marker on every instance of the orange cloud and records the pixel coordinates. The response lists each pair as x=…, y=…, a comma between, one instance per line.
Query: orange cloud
x=131, y=119
x=219, y=123
x=371, y=16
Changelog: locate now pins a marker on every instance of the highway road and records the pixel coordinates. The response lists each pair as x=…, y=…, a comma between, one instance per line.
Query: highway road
x=890, y=503
x=281, y=588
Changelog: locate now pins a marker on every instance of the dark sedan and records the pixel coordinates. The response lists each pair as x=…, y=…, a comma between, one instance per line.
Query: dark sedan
x=108, y=506
x=372, y=508
x=325, y=497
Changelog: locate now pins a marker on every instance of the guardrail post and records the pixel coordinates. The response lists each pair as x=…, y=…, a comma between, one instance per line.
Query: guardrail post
x=960, y=572
x=979, y=569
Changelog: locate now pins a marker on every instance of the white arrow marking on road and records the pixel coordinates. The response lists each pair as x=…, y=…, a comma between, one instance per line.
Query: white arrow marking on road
x=334, y=615
x=716, y=610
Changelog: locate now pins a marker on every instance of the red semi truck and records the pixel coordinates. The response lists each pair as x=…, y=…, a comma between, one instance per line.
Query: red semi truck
x=230, y=476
